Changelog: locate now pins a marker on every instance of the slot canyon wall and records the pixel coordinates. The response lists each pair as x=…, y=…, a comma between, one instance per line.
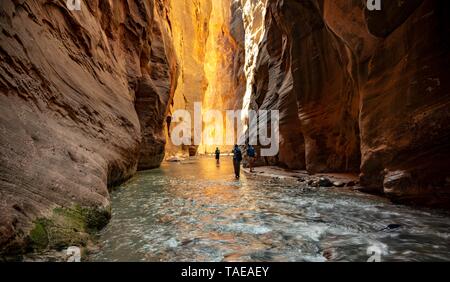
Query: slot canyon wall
x=190, y=25
x=209, y=41
x=360, y=91
x=83, y=100
x=224, y=70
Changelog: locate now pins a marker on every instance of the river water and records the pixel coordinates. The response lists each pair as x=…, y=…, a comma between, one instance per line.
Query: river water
x=197, y=211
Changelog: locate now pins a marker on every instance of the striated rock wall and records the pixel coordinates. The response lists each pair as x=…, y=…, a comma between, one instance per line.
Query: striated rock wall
x=306, y=72
x=253, y=14
x=402, y=54
x=405, y=130
x=361, y=90
x=83, y=98
x=155, y=89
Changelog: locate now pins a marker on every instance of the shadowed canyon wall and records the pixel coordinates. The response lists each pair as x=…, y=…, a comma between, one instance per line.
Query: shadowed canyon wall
x=83, y=100
x=305, y=71
x=361, y=90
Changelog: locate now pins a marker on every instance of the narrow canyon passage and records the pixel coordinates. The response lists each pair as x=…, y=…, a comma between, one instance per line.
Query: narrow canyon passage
x=209, y=41
x=196, y=211
x=88, y=102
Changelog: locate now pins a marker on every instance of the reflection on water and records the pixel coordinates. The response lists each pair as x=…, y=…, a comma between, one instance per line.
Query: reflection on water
x=196, y=211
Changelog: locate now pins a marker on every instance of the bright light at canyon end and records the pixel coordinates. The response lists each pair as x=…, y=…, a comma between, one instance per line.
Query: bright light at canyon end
x=206, y=49
x=219, y=54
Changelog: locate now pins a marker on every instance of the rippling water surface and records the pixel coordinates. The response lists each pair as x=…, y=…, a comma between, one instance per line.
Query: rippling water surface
x=196, y=211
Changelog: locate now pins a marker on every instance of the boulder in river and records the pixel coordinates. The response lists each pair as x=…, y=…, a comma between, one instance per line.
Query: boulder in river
x=391, y=227
x=338, y=184
x=325, y=182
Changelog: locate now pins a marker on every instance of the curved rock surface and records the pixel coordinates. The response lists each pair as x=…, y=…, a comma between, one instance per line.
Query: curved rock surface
x=305, y=71
x=83, y=99
x=361, y=90
x=405, y=129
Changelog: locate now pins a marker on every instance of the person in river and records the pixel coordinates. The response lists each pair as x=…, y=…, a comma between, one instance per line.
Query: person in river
x=237, y=158
x=217, y=155
x=251, y=154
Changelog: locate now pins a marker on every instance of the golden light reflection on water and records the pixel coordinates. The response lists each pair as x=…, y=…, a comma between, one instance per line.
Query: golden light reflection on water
x=222, y=193
x=218, y=185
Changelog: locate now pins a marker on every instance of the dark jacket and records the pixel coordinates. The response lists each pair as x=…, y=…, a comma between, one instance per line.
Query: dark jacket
x=251, y=152
x=237, y=154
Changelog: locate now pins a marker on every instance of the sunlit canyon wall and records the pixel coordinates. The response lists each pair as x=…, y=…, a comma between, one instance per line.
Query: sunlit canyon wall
x=209, y=43
x=360, y=91
x=83, y=100
x=253, y=13
x=190, y=28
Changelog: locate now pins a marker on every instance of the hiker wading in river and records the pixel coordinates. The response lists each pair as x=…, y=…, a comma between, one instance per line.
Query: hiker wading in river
x=217, y=153
x=251, y=154
x=237, y=158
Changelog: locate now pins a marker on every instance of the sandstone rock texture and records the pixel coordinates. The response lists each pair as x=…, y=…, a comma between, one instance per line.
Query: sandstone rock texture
x=305, y=71
x=361, y=90
x=83, y=100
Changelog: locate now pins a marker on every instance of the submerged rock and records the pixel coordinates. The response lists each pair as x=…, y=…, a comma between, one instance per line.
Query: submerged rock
x=325, y=182
x=174, y=159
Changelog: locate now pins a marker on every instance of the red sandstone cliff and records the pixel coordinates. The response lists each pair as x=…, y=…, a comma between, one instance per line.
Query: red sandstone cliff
x=83, y=98
x=306, y=72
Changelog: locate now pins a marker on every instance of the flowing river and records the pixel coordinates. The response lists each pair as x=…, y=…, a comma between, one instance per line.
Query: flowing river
x=197, y=211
